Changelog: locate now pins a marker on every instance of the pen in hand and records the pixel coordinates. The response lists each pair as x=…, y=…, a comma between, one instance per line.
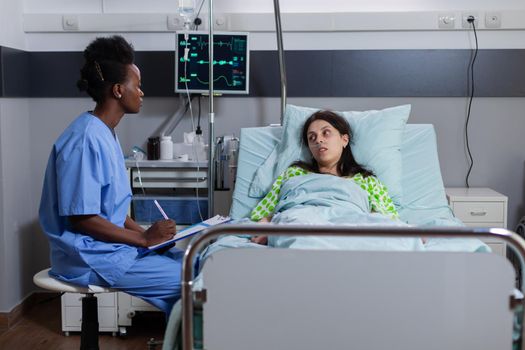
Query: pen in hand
x=161, y=210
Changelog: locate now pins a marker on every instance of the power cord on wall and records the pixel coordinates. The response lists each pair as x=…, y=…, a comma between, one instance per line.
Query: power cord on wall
x=471, y=20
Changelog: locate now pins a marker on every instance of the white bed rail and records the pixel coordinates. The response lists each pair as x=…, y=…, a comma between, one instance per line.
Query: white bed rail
x=513, y=240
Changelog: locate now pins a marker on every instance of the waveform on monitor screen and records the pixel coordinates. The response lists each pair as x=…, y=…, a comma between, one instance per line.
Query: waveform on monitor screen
x=232, y=84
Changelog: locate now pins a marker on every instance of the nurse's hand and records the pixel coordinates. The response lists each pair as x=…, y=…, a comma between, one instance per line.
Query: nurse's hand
x=160, y=232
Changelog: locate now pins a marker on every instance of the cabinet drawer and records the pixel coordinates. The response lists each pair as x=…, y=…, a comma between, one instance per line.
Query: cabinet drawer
x=107, y=319
x=485, y=224
x=479, y=211
x=103, y=299
x=182, y=178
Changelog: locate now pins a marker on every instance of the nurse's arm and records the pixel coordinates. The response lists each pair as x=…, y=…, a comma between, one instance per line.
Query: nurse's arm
x=132, y=225
x=104, y=230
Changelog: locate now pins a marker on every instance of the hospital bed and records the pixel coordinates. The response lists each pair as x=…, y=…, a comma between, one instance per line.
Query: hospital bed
x=258, y=298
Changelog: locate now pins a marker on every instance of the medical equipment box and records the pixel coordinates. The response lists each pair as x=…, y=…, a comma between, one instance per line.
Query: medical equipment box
x=184, y=210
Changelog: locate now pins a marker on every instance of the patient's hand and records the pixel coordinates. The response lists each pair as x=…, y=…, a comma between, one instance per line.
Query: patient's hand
x=265, y=220
x=260, y=240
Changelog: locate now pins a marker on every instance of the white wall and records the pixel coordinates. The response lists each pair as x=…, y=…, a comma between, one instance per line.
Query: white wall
x=19, y=232
x=363, y=5
x=16, y=209
x=72, y=6
x=381, y=18
x=11, y=33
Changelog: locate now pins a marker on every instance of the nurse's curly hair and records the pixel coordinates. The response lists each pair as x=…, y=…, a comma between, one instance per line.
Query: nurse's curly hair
x=105, y=65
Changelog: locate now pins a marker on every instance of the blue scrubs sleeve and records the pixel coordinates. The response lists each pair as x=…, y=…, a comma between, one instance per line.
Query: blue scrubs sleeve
x=79, y=180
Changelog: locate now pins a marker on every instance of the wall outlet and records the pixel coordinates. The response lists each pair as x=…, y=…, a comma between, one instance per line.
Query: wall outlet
x=70, y=22
x=174, y=22
x=220, y=22
x=446, y=20
x=493, y=20
x=464, y=20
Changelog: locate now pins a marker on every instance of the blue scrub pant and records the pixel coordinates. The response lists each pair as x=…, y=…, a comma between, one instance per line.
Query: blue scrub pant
x=155, y=278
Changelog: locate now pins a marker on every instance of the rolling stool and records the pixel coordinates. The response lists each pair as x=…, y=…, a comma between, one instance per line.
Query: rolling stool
x=89, y=327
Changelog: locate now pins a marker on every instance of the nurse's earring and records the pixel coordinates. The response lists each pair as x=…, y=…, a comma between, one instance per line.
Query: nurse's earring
x=116, y=91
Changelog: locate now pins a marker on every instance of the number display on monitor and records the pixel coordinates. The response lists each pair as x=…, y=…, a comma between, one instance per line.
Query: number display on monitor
x=230, y=63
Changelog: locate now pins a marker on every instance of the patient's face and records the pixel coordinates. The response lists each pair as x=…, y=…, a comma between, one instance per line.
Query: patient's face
x=325, y=143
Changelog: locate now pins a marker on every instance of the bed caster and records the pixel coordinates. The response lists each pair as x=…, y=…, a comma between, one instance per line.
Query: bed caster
x=66, y=334
x=122, y=331
x=113, y=334
x=152, y=344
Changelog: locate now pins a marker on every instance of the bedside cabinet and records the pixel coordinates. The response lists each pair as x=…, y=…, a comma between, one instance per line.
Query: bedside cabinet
x=480, y=207
x=72, y=312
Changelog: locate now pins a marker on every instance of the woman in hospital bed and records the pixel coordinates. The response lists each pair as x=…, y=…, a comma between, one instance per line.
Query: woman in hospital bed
x=333, y=188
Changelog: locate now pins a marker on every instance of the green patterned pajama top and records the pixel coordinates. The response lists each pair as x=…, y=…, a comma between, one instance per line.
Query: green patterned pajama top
x=378, y=197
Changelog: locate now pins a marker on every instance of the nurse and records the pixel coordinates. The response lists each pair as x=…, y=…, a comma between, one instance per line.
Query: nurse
x=86, y=192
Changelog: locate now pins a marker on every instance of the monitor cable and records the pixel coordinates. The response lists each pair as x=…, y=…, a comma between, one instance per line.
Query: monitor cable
x=197, y=129
x=197, y=22
x=471, y=20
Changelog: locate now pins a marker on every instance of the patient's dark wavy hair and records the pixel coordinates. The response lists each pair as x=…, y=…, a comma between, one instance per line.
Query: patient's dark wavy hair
x=347, y=164
x=105, y=65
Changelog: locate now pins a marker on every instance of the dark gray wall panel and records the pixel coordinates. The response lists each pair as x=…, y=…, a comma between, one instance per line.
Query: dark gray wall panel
x=2, y=49
x=392, y=73
x=331, y=73
x=400, y=73
x=157, y=72
x=54, y=74
x=14, y=68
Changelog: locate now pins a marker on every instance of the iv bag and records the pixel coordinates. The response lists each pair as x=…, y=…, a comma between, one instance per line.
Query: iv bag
x=187, y=8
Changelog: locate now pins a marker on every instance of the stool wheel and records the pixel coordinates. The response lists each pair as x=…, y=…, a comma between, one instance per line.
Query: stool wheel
x=122, y=331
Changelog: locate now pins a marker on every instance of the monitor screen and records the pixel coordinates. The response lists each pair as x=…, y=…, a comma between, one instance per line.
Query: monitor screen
x=230, y=63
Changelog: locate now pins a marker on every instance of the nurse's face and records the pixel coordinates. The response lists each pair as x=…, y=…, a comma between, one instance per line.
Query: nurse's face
x=131, y=94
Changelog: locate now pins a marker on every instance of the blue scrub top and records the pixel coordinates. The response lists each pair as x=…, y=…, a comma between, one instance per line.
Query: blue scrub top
x=86, y=174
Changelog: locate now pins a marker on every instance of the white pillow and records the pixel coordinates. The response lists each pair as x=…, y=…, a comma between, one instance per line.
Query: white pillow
x=376, y=145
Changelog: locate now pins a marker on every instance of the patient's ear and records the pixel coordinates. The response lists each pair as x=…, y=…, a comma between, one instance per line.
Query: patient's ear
x=345, y=138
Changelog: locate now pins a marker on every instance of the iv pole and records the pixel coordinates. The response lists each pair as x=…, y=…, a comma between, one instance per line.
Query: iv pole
x=280, y=49
x=211, y=131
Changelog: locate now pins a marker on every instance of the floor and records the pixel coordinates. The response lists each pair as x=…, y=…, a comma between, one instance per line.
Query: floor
x=40, y=329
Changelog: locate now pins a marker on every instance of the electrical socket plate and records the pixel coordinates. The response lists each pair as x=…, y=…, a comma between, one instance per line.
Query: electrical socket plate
x=220, y=22
x=465, y=23
x=70, y=22
x=493, y=20
x=446, y=20
x=174, y=22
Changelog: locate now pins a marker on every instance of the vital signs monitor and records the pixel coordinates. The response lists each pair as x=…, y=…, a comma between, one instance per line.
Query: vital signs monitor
x=230, y=62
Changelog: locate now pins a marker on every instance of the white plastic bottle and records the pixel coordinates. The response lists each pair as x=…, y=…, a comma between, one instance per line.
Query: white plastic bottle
x=166, y=148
